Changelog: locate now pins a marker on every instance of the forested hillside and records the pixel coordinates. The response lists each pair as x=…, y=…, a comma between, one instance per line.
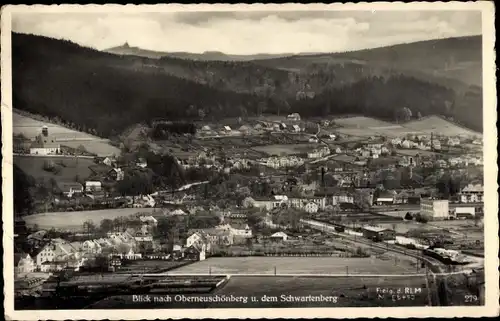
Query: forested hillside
x=91, y=88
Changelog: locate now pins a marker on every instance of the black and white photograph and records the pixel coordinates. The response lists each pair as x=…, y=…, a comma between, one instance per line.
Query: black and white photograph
x=175, y=158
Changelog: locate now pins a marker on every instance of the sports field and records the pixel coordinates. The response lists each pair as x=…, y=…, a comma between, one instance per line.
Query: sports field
x=296, y=265
x=75, y=220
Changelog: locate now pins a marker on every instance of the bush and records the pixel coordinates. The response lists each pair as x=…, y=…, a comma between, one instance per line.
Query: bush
x=421, y=218
x=408, y=216
x=360, y=252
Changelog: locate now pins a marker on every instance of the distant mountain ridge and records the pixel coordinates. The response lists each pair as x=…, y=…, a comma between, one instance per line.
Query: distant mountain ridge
x=126, y=49
x=91, y=87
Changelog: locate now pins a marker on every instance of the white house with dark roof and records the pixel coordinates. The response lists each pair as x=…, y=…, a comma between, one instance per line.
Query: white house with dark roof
x=45, y=145
x=68, y=189
x=93, y=186
x=472, y=193
x=23, y=263
x=282, y=236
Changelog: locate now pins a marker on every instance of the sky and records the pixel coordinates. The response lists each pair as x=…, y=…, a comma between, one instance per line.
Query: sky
x=250, y=32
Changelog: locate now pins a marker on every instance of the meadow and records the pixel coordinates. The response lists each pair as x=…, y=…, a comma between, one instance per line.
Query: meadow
x=73, y=221
x=31, y=128
x=441, y=126
x=70, y=167
x=365, y=126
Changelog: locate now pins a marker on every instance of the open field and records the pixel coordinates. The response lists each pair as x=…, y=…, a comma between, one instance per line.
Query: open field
x=75, y=220
x=70, y=167
x=366, y=126
x=30, y=128
x=285, y=149
x=439, y=126
x=298, y=265
x=99, y=147
x=361, y=122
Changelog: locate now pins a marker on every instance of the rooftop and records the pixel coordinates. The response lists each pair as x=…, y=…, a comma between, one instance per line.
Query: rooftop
x=376, y=229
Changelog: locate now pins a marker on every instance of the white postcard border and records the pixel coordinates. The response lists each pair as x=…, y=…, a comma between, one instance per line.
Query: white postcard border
x=490, y=172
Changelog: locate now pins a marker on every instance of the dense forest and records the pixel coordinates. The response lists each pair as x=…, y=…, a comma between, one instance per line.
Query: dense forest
x=90, y=88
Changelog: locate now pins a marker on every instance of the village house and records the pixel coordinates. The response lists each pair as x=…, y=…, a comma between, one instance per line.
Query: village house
x=23, y=263
x=267, y=203
x=109, y=161
x=195, y=252
x=472, y=193
x=406, y=161
x=214, y=237
x=477, y=142
x=279, y=237
x=293, y=117
x=142, y=163
x=296, y=128
x=198, y=238
x=148, y=220
x=311, y=207
x=408, y=144
x=237, y=229
x=282, y=162
x=313, y=139
x=44, y=144
x=43, y=254
x=143, y=236
x=93, y=186
x=177, y=212
x=69, y=189
x=302, y=202
x=396, y=141
x=385, y=198
x=91, y=247
x=378, y=233
x=319, y=153
x=116, y=174
x=342, y=197
x=453, y=141
x=441, y=163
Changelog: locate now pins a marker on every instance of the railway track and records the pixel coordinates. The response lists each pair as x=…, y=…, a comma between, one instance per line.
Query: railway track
x=435, y=266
